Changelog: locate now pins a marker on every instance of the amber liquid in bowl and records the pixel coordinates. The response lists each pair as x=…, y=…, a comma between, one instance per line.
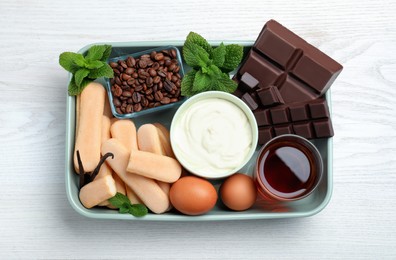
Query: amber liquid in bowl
x=288, y=168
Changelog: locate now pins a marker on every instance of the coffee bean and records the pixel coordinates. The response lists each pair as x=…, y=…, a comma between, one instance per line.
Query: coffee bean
x=136, y=97
x=176, y=69
x=125, y=76
x=156, y=79
x=158, y=96
x=122, y=98
x=129, y=71
x=142, y=64
x=174, y=61
x=167, y=63
x=148, y=91
x=152, y=55
x=165, y=101
x=155, y=66
x=126, y=94
x=144, y=102
x=173, y=53
x=151, y=105
x=159, y=56
x=137, y=107
x=177, y=93
x=150, y=97
x=131, y=61
x=143, y=74
x=161, y=73
x=152, y=72
x=166, y=52
x=173, y=100
x=131, y=81
x=167, y=85
x=177, y=83
x=149, y=81
x=169, y=75
x=123, y=64
x=172, y=67
x=135, y=75
x=129, y=101
x=139, y=88
x=118, y=81
x=157, y=104
x=174, y=78
x=116, y=71
x=118, y=110
x=129, y=109
x=117, y=91
x=116, y=102
x=123, y=109
x=113, y=64
x=145, y=56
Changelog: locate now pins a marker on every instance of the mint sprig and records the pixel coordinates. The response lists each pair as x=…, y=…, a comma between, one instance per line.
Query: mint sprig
x=210, y=66
x=125, y=206
x=86, y=69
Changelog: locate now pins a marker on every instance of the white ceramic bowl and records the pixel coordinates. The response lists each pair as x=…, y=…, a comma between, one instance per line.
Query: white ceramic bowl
x=176, y=139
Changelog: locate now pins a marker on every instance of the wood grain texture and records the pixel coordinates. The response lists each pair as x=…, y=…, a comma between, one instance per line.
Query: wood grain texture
x=36, y=220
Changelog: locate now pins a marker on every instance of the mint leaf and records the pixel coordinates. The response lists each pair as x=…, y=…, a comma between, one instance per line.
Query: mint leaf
x=218, y=55
x=105, y=71
x=194, y=55
x=70, y=60
x=73, y=89
x=106, y=53
x=202, y=82
x=138, y=210
x=124, y=208
x=80, y=75
x=226, y=84
x=124, y=205
x=197, y=39
x=98, y=52
x=187, y=83
x=118, y=200
x=94, y=64
x=233, y=57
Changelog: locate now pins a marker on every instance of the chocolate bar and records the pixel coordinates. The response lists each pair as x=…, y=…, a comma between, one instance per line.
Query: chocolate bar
x=309, y=119
x=282, y=59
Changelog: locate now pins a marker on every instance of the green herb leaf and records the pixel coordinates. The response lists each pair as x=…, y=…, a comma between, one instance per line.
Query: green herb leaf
x=233, y=57
x=202, y=82
x=98, y=52
x=197, y=39
x=218, y=55
x=94, y=64
x=70, y=60
x=187, y=83
x=73, y=89
x=118, y=200
x=105, y=71
x=124, y=208
x=80, y=75
x=195, y=55
x=124, y=205
x=226, y=84
x=138, y=210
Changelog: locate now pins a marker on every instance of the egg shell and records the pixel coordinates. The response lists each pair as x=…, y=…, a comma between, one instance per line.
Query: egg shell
x=238, y=192
x=192, y=195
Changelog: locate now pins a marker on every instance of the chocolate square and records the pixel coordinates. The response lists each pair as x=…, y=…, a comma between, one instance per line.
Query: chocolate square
x=323, y=128
x=262, y=117
x=248, y=82
x=319, y=109
x=265, y=134
x=298, y=112
x=248, y=99
x=304, y=130
x=279, y=115
x=269, y=96
x=281, y=130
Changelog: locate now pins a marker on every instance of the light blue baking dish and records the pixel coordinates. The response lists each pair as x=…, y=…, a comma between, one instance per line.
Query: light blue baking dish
x=306, y=207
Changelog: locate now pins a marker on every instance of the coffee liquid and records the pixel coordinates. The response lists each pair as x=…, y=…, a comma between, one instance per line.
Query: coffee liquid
x=287, y=170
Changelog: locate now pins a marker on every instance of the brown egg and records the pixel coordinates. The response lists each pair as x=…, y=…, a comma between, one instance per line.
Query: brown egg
x=238, y=192
x=192, y=195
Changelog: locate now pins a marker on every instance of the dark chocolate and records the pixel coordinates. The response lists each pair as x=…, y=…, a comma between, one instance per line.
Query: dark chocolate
x=248, y=99
x=280, y=58
x=248, y=82
x=310, y=119
x=270, y=96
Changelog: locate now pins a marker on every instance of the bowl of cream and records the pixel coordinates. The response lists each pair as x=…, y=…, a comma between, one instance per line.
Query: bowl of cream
x=213, y=134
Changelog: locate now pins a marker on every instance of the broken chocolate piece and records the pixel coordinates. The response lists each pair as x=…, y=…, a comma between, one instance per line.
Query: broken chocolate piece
x=248, y=82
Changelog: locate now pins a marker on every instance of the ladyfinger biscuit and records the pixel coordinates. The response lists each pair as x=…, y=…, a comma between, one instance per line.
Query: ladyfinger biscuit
x=146, y=189
x=97, y=191
x=88, y=138
x=125, y=131
x=132, y=196
x=164, y=137
x=150, y=165
x=148, y=139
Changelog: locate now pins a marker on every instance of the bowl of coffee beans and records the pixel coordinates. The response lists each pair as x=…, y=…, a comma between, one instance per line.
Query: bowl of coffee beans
x=145, y=82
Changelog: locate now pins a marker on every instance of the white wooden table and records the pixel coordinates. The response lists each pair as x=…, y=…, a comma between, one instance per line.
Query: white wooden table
x=36, y=220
